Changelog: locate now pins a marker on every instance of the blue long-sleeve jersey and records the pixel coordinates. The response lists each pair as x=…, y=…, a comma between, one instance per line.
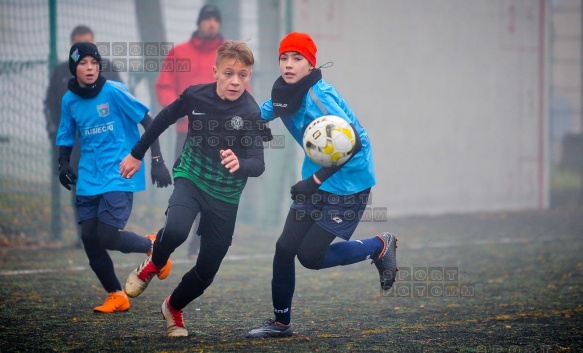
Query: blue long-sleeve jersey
x=323, y=99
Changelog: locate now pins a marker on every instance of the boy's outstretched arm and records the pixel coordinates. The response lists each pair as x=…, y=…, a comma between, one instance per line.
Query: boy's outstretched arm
x=132, y=162
x=159, y=172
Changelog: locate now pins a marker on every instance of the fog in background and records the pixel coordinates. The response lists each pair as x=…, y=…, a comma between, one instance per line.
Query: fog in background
x=466, y=102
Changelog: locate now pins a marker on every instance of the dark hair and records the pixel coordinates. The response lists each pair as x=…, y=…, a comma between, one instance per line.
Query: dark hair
x=233, y=49
x=80, y=30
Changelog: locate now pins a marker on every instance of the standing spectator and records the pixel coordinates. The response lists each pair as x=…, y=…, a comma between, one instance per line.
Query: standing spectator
x=200, y=50
x=57, y=88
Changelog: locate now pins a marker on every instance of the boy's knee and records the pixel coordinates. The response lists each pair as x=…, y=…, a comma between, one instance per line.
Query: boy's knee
x=284, y=254
x=112, y=241
x=310, y=262
x=174, y=235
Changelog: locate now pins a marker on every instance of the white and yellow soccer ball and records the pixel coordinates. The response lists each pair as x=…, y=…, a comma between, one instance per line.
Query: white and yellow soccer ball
x=329, y=141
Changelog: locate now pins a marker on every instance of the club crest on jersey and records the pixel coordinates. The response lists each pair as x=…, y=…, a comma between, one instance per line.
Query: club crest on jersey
x=103, y=109
x=237, y=122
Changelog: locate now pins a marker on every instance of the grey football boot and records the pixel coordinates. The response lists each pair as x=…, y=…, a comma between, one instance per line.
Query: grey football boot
x=386, y=262
x=271, y=329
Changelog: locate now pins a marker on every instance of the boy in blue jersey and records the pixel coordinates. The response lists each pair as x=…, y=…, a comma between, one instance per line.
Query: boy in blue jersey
x=327, y=199
x=105, y=115
x=224, y=147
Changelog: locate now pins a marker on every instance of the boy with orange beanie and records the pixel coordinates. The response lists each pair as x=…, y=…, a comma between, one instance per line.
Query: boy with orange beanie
x=329, y=201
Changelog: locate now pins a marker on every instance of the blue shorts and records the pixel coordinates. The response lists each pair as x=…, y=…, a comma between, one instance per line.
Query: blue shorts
x=337, y=214
x=113, y=208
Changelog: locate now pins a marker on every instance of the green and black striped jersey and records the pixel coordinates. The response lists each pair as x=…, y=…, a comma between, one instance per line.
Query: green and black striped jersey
x=214, y=125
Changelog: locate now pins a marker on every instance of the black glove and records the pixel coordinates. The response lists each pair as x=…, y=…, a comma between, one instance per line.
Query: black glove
x=67, y=176
x=266, y=134
x=303, y=189
x=160, y=173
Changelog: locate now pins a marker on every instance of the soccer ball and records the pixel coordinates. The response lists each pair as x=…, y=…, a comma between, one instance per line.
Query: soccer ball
x=329, y=141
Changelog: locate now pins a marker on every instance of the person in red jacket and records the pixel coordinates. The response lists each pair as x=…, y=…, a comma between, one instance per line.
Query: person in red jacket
x=200, y=51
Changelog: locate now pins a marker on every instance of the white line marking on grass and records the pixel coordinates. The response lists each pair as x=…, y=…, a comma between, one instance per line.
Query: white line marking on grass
x=404, y=244
x=125, y=265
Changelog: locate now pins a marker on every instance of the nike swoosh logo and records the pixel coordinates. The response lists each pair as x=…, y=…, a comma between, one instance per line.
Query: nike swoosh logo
x=195, y=113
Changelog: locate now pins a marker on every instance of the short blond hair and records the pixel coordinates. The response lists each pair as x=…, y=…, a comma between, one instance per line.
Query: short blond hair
x=233, y=49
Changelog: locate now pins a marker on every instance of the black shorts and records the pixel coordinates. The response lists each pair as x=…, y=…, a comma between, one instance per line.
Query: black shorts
x=217, y=218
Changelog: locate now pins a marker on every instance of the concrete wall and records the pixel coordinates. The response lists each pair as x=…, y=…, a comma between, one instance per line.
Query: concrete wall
x=453, y=94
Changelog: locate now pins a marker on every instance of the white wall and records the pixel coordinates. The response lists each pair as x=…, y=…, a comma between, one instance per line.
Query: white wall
x=452, y=92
